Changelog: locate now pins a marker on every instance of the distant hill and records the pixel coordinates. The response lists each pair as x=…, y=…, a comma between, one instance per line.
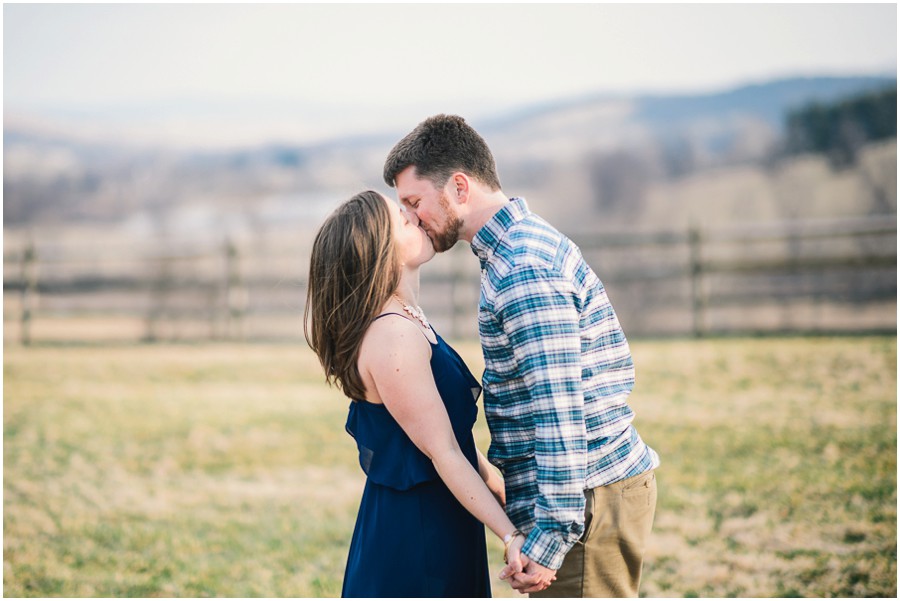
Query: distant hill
x=48, y=175
x=768, y=100
x=710, y=119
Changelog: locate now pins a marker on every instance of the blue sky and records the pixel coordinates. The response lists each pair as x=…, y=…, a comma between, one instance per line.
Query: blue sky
x=313, y=70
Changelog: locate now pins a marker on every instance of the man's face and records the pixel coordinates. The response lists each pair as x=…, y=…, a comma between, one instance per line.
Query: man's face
x=434, y=207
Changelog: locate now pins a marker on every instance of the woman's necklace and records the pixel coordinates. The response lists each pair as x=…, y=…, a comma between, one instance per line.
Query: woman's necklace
x=414, y=312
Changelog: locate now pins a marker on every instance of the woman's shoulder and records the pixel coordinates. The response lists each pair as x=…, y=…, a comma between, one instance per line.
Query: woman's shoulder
x=394, y=335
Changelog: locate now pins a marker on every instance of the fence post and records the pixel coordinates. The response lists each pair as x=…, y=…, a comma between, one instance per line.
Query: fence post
x=29, y=290
x=235, y=293
x=160, y=287
x=698, y=298
x=212, y=298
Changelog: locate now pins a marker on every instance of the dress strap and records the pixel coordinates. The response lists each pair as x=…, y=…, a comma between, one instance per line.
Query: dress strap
x=377, y=317
x=386, y=314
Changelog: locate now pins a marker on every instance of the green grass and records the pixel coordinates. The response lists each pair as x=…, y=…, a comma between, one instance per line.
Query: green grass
x=225, y=470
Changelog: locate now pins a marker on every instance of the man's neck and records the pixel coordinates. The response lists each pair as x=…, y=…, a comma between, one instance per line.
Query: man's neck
x=481, y=210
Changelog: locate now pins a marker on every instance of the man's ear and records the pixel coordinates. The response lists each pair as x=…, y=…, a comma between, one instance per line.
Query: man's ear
x=461, y=185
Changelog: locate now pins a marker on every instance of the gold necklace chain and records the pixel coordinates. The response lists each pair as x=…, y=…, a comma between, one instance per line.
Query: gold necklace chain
x=415, y=312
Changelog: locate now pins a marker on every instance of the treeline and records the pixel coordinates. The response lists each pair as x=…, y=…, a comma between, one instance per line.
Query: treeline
x=840, y=129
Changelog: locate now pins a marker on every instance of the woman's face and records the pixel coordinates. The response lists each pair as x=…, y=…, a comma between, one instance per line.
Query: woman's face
x=414, y=247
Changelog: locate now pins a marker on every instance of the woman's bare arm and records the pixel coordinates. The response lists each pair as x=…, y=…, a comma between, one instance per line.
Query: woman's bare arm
x=396, y=358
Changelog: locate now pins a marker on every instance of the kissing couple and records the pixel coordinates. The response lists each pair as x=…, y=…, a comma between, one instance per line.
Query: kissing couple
x=574, y=506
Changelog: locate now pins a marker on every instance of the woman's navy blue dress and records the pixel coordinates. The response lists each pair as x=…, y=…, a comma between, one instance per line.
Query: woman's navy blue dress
x=412, y=537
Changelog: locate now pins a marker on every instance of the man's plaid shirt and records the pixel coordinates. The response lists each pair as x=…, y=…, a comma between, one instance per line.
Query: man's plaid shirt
x=558, y=372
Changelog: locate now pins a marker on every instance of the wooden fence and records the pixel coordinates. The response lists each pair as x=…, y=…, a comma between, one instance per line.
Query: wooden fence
x=824, y=276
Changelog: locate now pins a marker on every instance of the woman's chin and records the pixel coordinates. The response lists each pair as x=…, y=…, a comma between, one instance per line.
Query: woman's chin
x=425, y=255
x=428, y=250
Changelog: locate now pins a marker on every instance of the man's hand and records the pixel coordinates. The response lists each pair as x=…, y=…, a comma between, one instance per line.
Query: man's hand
x=532, y=579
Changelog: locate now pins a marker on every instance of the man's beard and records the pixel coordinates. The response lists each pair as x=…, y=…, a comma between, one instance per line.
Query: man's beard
x=443, y=241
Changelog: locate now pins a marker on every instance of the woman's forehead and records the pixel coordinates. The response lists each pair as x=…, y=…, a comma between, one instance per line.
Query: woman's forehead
x=390, y=203
x=394, y=206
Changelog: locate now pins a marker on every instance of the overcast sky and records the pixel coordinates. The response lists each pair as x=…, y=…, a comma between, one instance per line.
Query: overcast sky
x=363, y=66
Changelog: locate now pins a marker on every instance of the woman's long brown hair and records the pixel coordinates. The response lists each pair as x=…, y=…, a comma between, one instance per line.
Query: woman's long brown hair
x=352, y=273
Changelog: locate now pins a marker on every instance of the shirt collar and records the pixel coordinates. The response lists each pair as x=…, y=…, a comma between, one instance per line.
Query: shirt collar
x=489, y=236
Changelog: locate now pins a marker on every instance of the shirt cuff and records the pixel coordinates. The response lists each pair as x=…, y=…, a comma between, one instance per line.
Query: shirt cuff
x=545, y=548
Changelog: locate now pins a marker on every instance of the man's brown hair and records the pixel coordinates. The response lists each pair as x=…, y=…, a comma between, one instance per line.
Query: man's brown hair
x=440, y=146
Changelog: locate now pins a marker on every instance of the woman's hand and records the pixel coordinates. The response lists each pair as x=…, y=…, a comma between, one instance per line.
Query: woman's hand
x=523, y=574
x=513, y=557
x=535, y=579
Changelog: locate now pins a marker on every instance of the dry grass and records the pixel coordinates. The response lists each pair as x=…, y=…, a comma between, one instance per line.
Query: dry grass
x=224, y=470
x=779, y=475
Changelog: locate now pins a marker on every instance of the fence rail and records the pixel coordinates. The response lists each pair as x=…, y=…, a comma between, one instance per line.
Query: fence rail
x=797, y=276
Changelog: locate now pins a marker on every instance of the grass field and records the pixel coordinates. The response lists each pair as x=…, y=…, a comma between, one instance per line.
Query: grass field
x=224, y=470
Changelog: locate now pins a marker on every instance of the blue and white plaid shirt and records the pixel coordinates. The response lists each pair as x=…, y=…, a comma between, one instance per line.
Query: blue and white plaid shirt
x=558, y=372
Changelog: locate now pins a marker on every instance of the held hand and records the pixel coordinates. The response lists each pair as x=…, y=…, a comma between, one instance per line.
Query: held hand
x=535, y=577
x=515, y=561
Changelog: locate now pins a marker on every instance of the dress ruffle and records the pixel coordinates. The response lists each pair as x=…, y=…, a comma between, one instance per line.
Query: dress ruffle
x=388, y=457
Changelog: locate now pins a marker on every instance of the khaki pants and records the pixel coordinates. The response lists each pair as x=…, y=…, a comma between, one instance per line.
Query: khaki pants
x=607, y=561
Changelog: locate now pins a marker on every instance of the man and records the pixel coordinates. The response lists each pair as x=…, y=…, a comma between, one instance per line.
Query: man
x=558, y=371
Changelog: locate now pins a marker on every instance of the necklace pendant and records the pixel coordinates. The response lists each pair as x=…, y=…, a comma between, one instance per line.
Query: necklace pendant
x=415, y=312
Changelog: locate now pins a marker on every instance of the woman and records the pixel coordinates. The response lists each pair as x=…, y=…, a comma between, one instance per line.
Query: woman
x=428, y=489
